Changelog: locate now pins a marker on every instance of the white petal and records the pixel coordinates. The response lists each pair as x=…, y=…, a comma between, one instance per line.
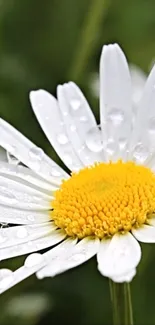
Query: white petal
x=23, y=173
x=79, y=123
x=142, y=143
x=47, y=111
x=116, y=101
x=18, y=195
x=64, y=259
x=127, y=277
x=22, y=234
x=118, y=256
x=32, y=264
x=145, y=234
x=23, y=217
x=28, y=153
x=3, y=156
x=11, y=279
x=48, y=240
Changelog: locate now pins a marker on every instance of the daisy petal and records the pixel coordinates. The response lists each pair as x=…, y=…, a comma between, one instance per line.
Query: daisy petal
x=26, y=174
x=46, y=109
x=22, y=217
x=32, y=264
x=79, y=122
x=127, y=277
x=66, y=259
x=16, y=194
x=118, y=256
x=116, y=102
x=28, y=153
x=145, y=234
x=143, y=136
x=22, y=234
x=48, y=240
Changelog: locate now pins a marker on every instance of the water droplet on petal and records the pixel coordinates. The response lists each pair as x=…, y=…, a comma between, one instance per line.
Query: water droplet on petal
x=30, y=217
x=6, y=196
x=64, y=113
x=122, y=143
x=73, y=128
x=83, y=119
x=116, y=116
x=12, y=159
x=33, y=260
x=94, y=139
x=36, y=155
x=62, y=138
x=110, y=147
x=22, y=232
x=75, y=103
x=140, y=153
x=6, y=277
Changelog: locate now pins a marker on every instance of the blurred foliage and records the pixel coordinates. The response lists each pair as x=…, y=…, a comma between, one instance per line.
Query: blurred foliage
x=40, y=45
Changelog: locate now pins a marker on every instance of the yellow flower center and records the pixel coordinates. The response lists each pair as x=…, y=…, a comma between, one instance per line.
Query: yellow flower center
x=104, y=199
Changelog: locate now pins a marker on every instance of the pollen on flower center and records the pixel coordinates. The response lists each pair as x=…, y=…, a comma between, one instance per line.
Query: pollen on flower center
x=104, y=199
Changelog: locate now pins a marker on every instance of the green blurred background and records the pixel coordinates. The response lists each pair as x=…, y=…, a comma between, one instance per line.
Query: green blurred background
x=43, y=43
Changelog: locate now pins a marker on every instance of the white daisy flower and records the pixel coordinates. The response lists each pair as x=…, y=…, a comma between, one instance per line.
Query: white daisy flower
x=103, y=209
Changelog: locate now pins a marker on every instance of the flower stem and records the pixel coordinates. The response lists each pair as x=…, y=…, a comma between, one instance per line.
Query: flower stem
x=121, y=303
x=128, y=305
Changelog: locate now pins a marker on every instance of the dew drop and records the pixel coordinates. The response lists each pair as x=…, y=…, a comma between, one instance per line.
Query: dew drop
x=33, y=260
x=122, y=143
x=73, y=128
x=12, y=159
x=94, y=139
x=7, y=197
x=22, y=232
x=36, y=155
x=140, y=153
x=67, y=160
x=81, y=149
x=62, y=138
x=116, y=116
x=75, y=104
x=110, y=147
x=64, y=113
x=30, y=217
x=6, y=277
x=83, y=118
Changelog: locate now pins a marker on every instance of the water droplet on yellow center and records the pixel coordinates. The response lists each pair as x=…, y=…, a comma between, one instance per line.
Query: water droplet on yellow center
x=104, y=199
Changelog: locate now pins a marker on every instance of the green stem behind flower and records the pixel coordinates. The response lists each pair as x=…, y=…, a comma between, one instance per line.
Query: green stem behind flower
x=88, y=37
x=121, y=303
